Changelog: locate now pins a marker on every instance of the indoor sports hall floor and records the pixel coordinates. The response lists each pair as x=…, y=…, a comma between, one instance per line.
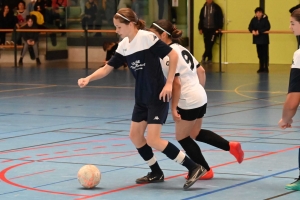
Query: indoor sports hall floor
x=49, y=128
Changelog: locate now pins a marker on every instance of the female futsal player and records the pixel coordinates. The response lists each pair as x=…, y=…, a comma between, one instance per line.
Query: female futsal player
x=293, y=97
x=189, y=100
x=142, y=51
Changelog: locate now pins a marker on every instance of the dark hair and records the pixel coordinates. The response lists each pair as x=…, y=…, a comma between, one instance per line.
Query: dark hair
x=32, y=17
x=259, y=9
x=22, y=2
x=173, y=33
x=131, y=16
x=294, y=8
x=106, y=45
x=296, y=15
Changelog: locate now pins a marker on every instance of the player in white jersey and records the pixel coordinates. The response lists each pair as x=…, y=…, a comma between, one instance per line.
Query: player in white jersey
x=293, y=97
x=189, y=100
x=142, y=51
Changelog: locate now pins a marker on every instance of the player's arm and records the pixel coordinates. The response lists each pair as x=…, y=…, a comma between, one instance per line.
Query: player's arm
x=175, y=98
x=290, y=106
x=166, y=93
x=201, y=75
x=100, y=73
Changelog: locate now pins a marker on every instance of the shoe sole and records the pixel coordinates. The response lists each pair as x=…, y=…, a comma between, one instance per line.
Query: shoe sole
x=157, y=181
x=196, y=179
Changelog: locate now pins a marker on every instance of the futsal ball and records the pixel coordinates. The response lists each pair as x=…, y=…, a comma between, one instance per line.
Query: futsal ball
x=89, y=176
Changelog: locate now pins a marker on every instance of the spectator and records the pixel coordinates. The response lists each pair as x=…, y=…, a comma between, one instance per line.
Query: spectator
x=30, y=39
x=124, y=4
x=30, y=6
x=82, y=7
x=90, y=15
x=59, y=7
x=110, y=48
x=7, y=21
x=210, y=20
x=21, y=14
x=258, y=25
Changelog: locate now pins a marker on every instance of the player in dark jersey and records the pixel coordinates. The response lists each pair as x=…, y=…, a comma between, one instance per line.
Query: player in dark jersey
x=142, y=51
x=293, y=97
x=189, y=100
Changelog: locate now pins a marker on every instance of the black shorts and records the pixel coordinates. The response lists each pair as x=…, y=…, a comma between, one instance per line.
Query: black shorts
x=192, y=114
x=152, y=114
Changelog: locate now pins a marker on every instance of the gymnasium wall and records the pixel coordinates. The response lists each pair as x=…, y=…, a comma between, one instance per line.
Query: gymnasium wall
x=238, y=48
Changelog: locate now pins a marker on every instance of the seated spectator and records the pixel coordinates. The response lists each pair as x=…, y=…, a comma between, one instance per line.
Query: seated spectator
x=59, y=8
x=110, y=48
x=21, y=14
x=7, y=21
x=90, y=15
x=30, y=39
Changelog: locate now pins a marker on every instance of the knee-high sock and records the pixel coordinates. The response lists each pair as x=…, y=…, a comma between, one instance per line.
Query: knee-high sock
x=147, y=154
x=213, y=139
x=193, y=151
x=172, y=152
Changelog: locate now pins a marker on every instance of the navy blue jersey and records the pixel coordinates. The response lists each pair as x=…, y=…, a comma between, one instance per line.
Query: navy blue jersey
x=294, y=84
x=143, y=55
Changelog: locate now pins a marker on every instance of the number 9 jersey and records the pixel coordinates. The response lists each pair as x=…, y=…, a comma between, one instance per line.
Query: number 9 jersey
x=192, y=94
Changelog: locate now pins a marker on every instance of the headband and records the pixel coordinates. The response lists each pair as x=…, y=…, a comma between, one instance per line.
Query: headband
x=123, y=17
x=161, y=28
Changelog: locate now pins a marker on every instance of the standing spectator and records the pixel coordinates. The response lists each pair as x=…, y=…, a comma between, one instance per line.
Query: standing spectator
x=258, y=25
x=30, y=39
x=90, y=14
x=7, y=21
x=210, y=20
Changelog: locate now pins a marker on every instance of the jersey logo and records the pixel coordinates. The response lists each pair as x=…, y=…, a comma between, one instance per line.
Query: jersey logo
x=137, y=65
x=154, y=37
x=156, y=118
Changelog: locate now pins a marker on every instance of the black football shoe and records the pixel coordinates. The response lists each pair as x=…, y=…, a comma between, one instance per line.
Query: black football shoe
x=151, y=178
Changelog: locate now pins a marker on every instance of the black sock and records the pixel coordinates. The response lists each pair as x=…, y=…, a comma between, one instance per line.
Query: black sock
x=172, y=152
x=193, y=151
x=213, y=139
x=147, y=154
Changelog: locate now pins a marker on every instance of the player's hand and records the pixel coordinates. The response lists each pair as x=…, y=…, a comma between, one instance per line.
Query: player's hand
x=283, y=125
x=166, y=93
x=176, y=115
x=83, y=82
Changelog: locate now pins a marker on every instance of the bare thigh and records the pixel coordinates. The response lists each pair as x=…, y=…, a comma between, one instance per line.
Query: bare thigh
x=183, y=129
x=196, y=128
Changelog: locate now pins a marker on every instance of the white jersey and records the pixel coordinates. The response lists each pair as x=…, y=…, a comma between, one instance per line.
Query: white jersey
x=192, y=94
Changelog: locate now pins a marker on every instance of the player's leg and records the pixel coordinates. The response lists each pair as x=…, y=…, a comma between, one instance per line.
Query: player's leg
x=296, y=184
x=137, y=130
x=211, y=138
x=157, y=115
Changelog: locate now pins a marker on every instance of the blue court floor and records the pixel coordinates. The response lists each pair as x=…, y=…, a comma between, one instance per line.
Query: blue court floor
x=50, y=128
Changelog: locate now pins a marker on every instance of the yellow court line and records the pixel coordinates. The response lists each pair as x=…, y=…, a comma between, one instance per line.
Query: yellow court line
x=238, y=93
x=13, y=90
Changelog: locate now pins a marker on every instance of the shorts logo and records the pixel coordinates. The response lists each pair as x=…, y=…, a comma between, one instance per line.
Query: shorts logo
x=156, y=118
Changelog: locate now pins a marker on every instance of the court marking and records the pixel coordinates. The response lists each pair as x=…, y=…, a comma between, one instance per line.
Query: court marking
x=284, y=194
x=240, y=184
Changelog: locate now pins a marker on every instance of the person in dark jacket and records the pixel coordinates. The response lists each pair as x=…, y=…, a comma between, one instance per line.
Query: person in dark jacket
x=90, y=13
x=210, y=20
x=30, y=39
x=291, y=11
x=258, y=25
x=7, y=21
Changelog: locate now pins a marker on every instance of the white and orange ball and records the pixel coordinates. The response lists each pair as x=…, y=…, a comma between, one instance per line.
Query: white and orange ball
x=89, y=176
